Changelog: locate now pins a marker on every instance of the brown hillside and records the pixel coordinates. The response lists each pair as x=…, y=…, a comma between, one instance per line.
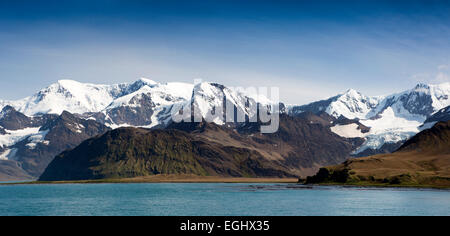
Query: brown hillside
x=423, y=160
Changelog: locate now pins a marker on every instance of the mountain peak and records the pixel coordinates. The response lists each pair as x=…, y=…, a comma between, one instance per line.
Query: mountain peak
x=353, y=93
x=422, y=86
x=148, y=81
x=207, y=88
x=67, y=82
x=433, y=87
x=7, y=108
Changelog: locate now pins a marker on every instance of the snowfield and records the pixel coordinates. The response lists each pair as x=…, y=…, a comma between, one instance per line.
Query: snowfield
x=348, y=131
x=391, y=119
x=14, y=136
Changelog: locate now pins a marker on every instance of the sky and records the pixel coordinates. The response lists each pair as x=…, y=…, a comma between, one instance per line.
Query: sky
x=309, y=49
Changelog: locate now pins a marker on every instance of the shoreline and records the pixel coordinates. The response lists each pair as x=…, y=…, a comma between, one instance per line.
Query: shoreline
x=381, y=185
x=164, y=179
x=215, y=179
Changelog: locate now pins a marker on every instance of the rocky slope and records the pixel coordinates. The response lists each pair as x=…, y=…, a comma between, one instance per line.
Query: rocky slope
x=206, y=149
x=145, y=103
x=371, y=124
x=423, y=160
x=441, y=115
x=392, y=119
x=11, y=171
x=32, y=142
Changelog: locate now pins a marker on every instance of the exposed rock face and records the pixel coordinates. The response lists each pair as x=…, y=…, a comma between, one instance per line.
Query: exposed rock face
x=423, y=160
x=131, y=152
x=138, y=115
x=441, y=115
x=31, y=151
x=321, y=133
x=10, y=119
x=65, y=132
x=298, y=148
x=392, y=119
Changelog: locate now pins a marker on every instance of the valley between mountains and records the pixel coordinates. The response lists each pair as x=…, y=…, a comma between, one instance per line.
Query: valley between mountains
x=76, y=131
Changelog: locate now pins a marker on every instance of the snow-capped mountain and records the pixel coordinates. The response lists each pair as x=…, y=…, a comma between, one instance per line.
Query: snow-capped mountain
x=33, y=127
x=32, y=142
x=207, y=97
x=423, y=100
x=67, y=95
x=351, y=104
x=82, y=98
x=147, y=105
x=392, y=119
x=143, y=103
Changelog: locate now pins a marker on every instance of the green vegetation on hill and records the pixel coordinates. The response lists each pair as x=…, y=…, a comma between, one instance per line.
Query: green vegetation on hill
x=131, y=152
x=424, y=160
x=299, y=148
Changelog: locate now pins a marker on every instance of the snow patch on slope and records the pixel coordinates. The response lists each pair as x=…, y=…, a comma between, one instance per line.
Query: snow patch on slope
x=14, y=136
x=36, y=138
x=393, y=118
x=348, y=131
x=8, y=154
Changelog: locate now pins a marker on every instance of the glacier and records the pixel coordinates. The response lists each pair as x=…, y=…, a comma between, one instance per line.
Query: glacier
x=392, y=118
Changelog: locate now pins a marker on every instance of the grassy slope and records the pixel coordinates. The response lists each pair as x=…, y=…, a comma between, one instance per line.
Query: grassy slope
x=422, y=161
x=399, y=169
x=129, y=152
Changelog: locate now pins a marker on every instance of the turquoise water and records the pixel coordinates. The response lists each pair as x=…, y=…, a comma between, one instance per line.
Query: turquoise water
x=218, y=199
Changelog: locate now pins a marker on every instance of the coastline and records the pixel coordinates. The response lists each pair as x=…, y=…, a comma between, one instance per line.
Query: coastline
x=382, y=185
x=218, y=179
x=166, y=179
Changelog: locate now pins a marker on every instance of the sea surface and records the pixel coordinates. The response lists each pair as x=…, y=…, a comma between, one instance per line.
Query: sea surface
x=200, y=199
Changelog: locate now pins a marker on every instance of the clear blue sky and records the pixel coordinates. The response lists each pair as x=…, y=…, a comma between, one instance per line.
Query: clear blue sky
x=310, y=49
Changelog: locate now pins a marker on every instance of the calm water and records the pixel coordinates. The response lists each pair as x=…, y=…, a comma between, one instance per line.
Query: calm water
x=218, y=199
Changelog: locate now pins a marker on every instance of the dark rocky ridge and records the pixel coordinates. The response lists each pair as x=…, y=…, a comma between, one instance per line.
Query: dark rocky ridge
x=434, y=140
x=61, y=132
x=298, y=148
x=424, y=160
x=65, y=132
x=10, y=119
x=131, y=152
x=442, y=115
x=139, y=115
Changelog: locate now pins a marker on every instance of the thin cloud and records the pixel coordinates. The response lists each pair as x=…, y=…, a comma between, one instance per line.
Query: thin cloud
x=441, y=76
x=444, y=67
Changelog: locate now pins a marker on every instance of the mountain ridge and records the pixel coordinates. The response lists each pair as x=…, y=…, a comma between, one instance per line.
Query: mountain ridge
x=423, y=160
x=392, y=118
x=148, y=104
x=299, y=148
